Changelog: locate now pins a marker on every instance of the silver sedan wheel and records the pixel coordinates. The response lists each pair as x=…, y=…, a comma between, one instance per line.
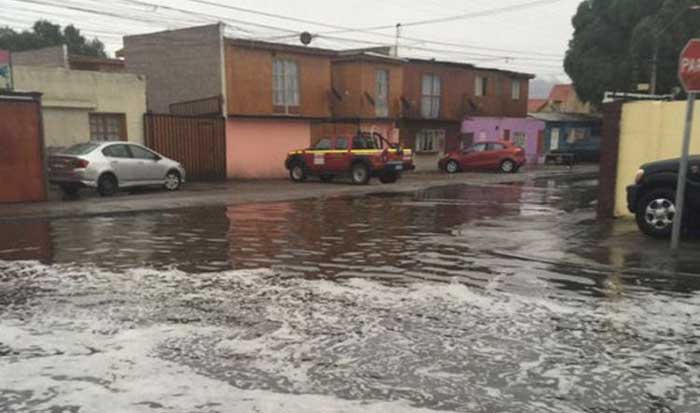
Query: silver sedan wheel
x=172, y=181
x=660, y=213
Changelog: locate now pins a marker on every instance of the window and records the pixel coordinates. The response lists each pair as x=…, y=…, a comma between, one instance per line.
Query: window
x=515, y=89
x=107, y=127
x=116, y=151
x=285, y=85
x=323, y=145
x=479, y=147
x=430, y=140
x=142, y=153
x=80, y=149
x=495, y=147
x=430, y=102
x=341, y=143
x=554, y=141
x=480, y=86
x=576, y=134
x=520, y=139
x=381, y=100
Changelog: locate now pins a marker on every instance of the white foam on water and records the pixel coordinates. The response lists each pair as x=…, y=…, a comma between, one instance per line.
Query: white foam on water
x=124, y=376
x=165, y=337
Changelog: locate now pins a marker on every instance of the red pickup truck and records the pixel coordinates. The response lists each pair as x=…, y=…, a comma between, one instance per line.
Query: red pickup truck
x=362, y=157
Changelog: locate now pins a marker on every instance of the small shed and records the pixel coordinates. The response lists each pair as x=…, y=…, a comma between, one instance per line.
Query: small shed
x=564, y=130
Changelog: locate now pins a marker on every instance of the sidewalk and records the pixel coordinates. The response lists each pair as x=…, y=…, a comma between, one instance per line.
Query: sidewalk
x=238, y=192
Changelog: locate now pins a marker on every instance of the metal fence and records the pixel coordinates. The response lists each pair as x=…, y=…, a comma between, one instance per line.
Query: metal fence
x=198, y=143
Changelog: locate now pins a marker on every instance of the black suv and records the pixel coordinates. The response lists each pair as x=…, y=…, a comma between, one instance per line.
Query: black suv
x=653, y=196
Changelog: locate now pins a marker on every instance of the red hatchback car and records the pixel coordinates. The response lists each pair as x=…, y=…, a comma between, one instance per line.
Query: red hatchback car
x=503, y=156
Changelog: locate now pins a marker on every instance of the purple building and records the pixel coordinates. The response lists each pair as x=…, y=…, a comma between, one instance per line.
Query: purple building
x=525, y=132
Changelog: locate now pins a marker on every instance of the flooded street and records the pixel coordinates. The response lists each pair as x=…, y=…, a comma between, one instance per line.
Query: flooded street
x=504, y=298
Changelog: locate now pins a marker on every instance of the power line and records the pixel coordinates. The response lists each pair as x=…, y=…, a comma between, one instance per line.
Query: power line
x=344, y=29
x=465, y=16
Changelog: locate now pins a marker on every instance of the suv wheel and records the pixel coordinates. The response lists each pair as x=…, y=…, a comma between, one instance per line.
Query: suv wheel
x=107, y=185
x=452, y=167
x=656, y=212
x=360, y=174
x=297, y=172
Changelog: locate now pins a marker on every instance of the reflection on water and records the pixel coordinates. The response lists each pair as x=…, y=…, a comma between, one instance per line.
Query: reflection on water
x=470, y=299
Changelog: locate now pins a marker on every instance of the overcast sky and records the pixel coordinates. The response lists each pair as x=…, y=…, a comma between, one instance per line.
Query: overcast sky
x=522, y=35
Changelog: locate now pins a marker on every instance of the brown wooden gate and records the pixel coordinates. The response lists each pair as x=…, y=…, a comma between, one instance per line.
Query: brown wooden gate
x=21, y=149
x=198, y=143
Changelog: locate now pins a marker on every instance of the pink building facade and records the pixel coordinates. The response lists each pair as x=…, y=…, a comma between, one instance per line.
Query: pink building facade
x=525, y=132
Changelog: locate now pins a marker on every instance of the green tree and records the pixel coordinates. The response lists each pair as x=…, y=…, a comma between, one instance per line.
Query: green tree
x=46, y=34
x=614, y=42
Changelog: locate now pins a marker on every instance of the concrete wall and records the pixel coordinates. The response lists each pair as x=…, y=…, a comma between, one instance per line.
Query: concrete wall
x=180, y=65
x=54, y=56
x=257, y=148
x=69, y=96
x=649, y=131
x=492, y=129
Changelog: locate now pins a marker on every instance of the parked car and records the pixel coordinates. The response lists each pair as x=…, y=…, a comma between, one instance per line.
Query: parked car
x=362, y=157
x=503, y=156
x=587, y=150
x=652, y=198
x=111, y=166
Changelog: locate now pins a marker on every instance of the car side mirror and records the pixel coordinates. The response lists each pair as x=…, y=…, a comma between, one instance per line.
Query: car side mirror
x=157, y=158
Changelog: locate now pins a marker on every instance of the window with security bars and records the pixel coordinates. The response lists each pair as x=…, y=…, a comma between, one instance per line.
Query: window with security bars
x=430, y=102
x=381, y=101
x=285, y=85
x=430, y=140
x=108, y=127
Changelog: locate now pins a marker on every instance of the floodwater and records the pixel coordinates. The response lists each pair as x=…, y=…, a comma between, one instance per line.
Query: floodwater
x=509, y=298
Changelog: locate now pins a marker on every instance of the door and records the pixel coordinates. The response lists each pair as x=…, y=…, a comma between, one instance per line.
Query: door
x=122, y=164
x=473, y=157
x=338, y=159
x=147, y=165
x=506, y=135
x=21, y=151
x=494, y=155
x=317, y=156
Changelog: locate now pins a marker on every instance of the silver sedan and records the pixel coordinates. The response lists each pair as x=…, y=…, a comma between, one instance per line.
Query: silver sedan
x=110, y=166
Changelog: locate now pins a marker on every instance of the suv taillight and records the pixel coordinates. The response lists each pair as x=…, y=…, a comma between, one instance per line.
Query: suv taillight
x=80, y=164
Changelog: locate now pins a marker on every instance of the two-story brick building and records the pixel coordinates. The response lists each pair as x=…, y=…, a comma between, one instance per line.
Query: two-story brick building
x=278, y=97
x=438, y=96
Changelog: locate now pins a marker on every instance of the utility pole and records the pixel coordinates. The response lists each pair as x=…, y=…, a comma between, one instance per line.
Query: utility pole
x=398, y=35
x=654, y=66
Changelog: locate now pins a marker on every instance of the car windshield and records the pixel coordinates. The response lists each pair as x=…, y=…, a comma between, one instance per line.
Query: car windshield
x=81, y=149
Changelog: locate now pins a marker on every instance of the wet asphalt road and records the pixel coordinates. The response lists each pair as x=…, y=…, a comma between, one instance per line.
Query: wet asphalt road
x=504, y=298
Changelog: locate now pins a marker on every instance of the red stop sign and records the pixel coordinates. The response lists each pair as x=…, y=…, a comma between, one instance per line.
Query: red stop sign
x=689, y=66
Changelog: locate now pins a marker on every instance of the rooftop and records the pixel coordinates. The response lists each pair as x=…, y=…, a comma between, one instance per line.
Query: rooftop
x=561, y=93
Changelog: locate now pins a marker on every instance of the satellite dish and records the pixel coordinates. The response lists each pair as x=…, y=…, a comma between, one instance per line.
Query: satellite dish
x=306, y=38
